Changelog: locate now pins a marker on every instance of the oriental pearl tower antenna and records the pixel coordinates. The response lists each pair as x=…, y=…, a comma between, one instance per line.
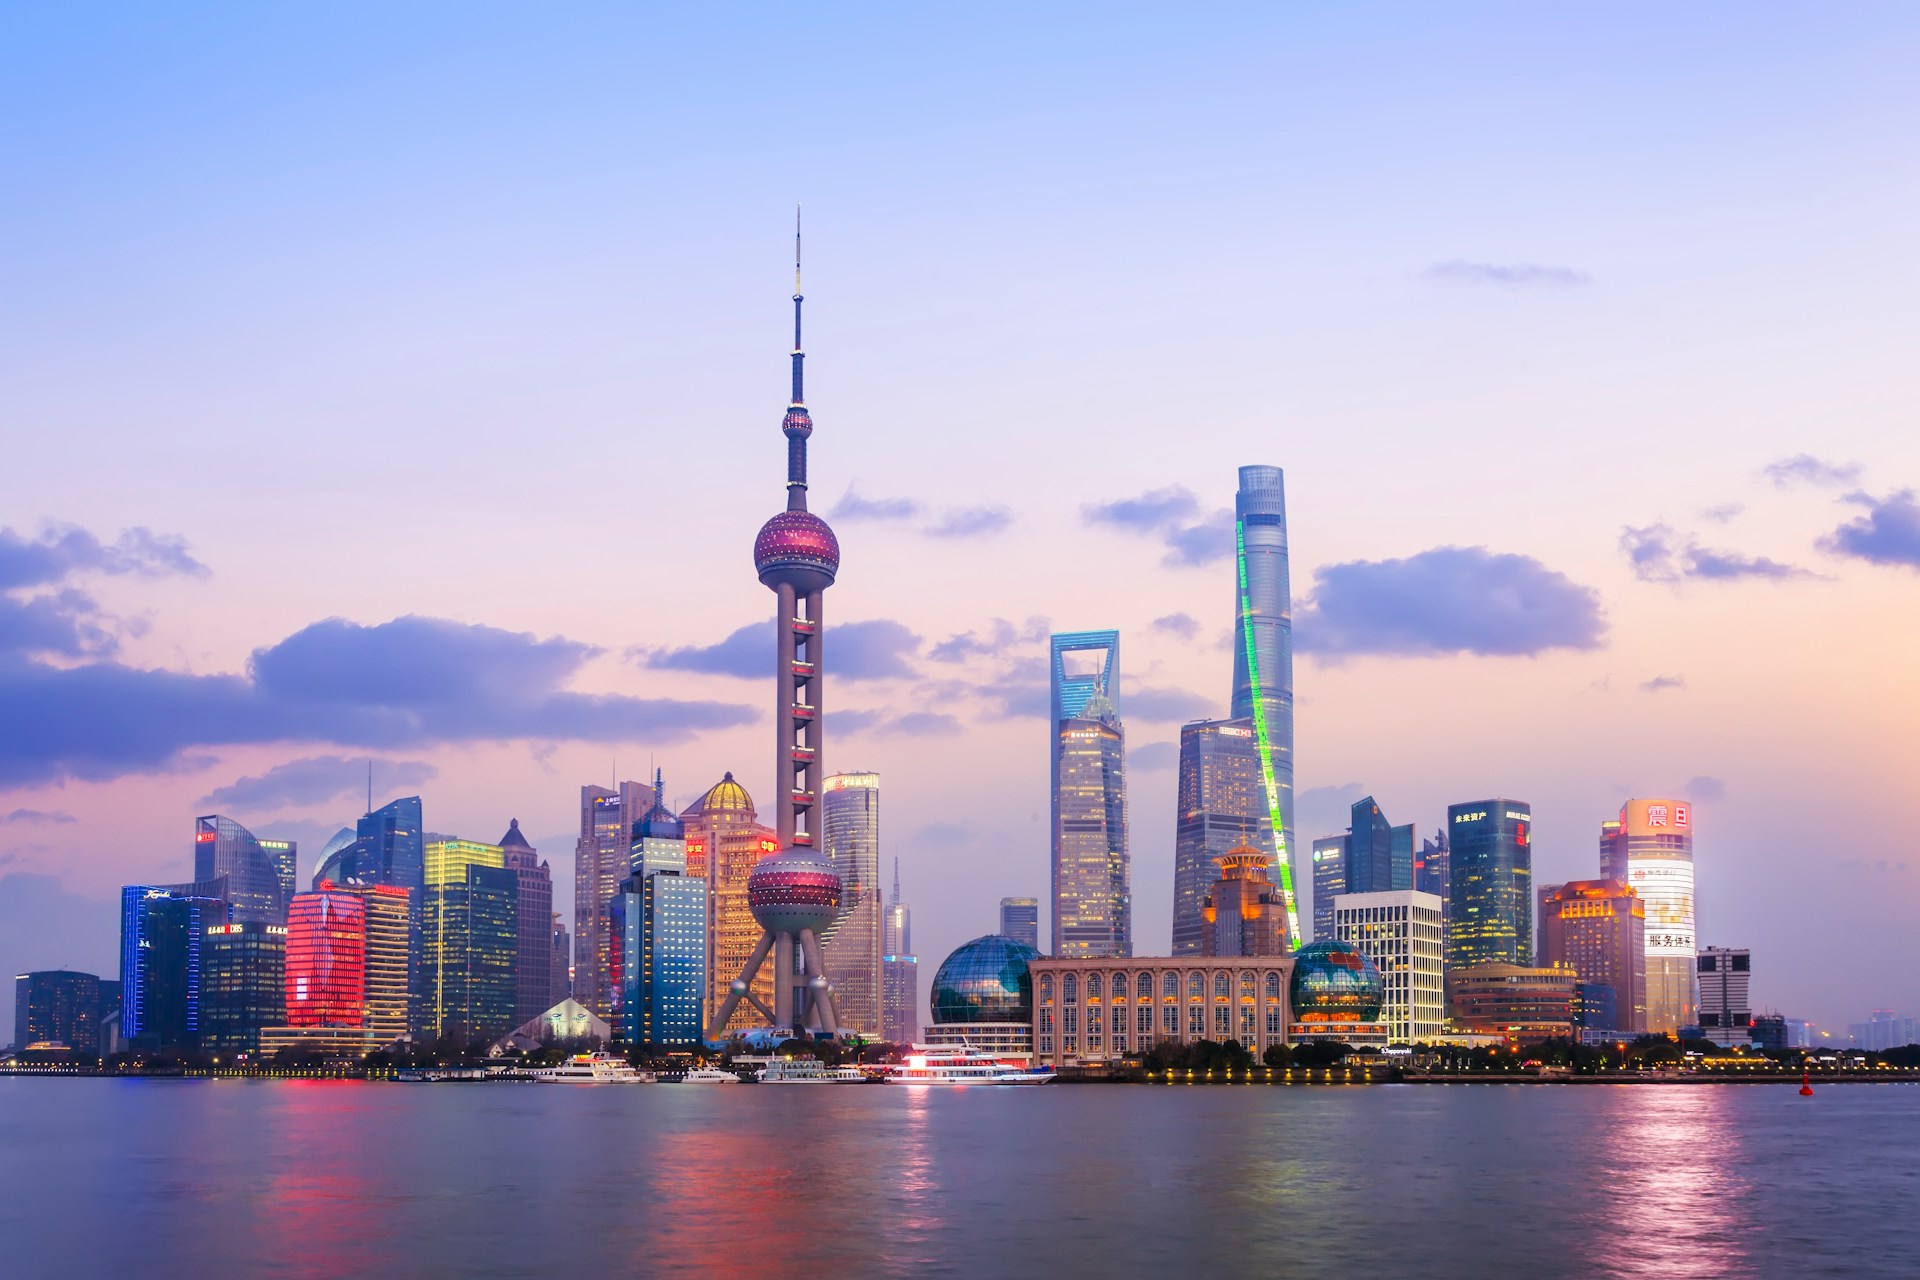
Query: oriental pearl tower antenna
x=794, y=893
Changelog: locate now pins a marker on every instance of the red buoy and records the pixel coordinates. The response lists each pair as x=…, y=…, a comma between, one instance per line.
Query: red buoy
x=1806, y=1084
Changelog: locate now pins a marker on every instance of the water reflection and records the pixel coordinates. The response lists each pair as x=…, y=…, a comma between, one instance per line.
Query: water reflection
x=1670, y=1182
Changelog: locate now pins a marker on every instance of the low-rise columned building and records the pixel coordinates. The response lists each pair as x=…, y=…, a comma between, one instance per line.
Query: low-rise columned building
x=57, y=1007
x=243, y=983
x=1403, y=932
x=1241, y=914
x=1597, y=928
x=983, y=996
x=1517, y=1002
x=1087, y=1011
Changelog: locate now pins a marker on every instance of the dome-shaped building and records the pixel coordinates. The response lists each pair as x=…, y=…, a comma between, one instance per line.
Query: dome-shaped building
x=983, y=995
x=725, y=796
x=1334, y=983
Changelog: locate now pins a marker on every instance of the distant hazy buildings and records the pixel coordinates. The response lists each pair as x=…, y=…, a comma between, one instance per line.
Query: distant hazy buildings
x=1242, y=914
x=1490, y=870
x=900, y=971
x=599, y=865
x=1401, y=932
x=57, y=1007
x=161, y=928
x=1020, y=920
x=1220, y=809
x=243, y=983
x=1884, y=1029
x=533, y=929
x=473, y=932
x=850, y=817
x=1650, y=846
x=260, y=873
x=724, y=842
x=1596, y=928
x=1092, y=900
x=1329, y=882
x=1726, y=1010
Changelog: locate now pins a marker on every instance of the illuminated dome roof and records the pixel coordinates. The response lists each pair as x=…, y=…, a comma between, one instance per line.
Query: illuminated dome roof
x=985, y=980
x=794, y=889
x=1333, y=982
x=796, y=547
x=725, y=795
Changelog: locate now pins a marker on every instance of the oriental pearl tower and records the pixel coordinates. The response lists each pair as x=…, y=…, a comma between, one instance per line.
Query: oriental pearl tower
x=794, y=893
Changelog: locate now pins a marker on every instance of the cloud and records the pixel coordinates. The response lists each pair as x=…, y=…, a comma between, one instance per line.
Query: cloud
x=1153, y=757
x=876, y=649
x=886, y=724
x=1002, y=637
x=1888, y=534
x=1174, y=514
x=1656, y=553
x=313, y=780
x=1511, y=275
x=39, y=817
x=1444, y=601
x=970, y=522
x=854, y=506
x=409, y=682
x=746, y=653
x=65, y=623
x=63, y=550
x=43, y=926
x=1804, y=468
x=1184, y=625
x=1660, y=684
x=1705, y=788
x=1723, y=513
x=1208, y=541
x=1142, y=702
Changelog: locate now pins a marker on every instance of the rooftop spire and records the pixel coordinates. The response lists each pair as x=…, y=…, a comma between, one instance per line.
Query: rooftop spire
x=896, y=881
x=799, y=353
x=798, y=425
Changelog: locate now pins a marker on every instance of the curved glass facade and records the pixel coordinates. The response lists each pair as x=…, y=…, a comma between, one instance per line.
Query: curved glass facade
x=986, y=980
x=1334, y=982
x=1263, y=655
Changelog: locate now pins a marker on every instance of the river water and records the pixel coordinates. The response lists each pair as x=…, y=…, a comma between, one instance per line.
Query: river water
x=216, y=1178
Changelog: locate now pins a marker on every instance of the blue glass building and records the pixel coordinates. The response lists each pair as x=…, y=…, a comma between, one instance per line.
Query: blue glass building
x=1092, y=894
x=1263, y=655
x=987, y=980
x=1490, y=883
x=659, y=927
x=162, y=928
x=1379, y=854
x=260, y=873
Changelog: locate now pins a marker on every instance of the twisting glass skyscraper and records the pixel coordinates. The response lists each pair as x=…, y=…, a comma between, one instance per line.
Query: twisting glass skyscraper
x=1092, y=897
x=1263, y=656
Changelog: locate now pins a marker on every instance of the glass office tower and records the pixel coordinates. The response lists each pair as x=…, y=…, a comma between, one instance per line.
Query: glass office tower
x=900, y=970
x=1490, y=869
x=1020, y=920
x=161, y=928
x=1263, y=656
x=472, y=938
x=659, y=936
x=1092, y=897
x=260, y=873
x=57, y=1007
x=850, y=818
x=600, y=860
x=1650, y=847
x=243, y=983
x=533, y=957
x=1379, y=854
x=326, y=960
x=1220, y=809
x=1329, y=882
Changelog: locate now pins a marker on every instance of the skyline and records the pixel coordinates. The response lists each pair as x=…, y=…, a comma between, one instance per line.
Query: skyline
x=1601, y=376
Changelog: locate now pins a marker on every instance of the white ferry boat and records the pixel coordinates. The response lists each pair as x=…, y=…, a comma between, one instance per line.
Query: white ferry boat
x=709, y=1075
x=958, y=1064
x=592, y=1068
x=808, y=1071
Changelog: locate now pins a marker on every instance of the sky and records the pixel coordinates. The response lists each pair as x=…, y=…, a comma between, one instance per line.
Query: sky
x=405, y=386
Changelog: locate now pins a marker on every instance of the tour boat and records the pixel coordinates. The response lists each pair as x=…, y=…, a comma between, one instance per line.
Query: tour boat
x=709, y=1075
x=958, y=1064
x=808, y=1071
x=592, y=1068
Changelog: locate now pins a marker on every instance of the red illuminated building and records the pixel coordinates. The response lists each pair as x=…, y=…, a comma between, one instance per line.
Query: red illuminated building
x=326, y=960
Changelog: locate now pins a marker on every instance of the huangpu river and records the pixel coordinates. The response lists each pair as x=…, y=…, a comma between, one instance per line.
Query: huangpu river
x=217, y=1178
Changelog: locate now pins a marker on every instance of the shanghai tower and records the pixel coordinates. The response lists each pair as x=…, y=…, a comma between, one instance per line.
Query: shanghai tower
x=794, y=892
x=1263, y=656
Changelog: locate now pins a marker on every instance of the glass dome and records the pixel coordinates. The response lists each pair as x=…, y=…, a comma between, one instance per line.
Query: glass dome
x=985, y=980
x=1333, y=982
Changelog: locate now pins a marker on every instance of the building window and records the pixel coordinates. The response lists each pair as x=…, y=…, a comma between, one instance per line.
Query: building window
x=1093, y=1027
x=1170, y=984
x=1246, y=1024
x=1196, y=985
x=1046, y=1021
x=1093, y=986
x=1145, y=1022
x=1170, y=1021
x=1069, y=988
x=1196, y=1022
x=1222, y=986
x=1273, y=1022
x=1046, y=986
x=1222, y=1021
x=1119, y=986
x=1069, y=1024
x=1273, y=986
x=1246, y=983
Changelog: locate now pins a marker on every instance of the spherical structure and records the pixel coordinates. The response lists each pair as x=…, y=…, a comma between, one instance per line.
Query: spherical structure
x=1333, y=982
x=797, y=548
x=794, y=889
x=985, y=980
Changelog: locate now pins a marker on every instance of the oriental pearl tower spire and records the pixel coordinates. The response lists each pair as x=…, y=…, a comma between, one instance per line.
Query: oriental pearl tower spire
x=794, y=893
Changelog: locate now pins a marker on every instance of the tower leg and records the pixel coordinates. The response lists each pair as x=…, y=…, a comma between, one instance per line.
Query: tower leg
x=819, y=993
x=743, y=986
x=786, y=1013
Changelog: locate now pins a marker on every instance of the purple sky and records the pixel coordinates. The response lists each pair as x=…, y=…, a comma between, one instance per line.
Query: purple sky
x=409, y=387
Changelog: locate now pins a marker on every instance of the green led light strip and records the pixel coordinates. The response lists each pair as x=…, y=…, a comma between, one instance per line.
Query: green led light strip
x=1266, y=744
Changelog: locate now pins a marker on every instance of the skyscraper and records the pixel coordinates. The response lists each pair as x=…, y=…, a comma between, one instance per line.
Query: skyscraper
x=1430, y=869
x=1650, y=846
x=725, y=842
x=1092, y=898
x=1263, y=656
x=1379, y=854
x=243, y=983
x=561, y=978
x=1220, y=809
x=326, y=960
x=660, y=925
x=533, y=953
x=1399, y=930
x=850, y=816
x=1019, y=920
x=388, y=846
x=1329, y=882
x=1490, y=870
x=900, y=970
x=1242, y=909
x=1726, y=1012
x=389, y=917
x=472, y=940
x=57, y=1006
x=1597, y=928
x=599, y=865
x=260, y=873
x=161, y=929
x=795, y=893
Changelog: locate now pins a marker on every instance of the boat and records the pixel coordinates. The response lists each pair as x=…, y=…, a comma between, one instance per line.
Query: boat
x=592, y=1068
x=959, y=1064
x=708, y=1075
x=808, y=1071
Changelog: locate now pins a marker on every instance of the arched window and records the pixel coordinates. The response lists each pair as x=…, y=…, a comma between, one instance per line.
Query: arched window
x=1246, y=984
x=1046, y=986
x=1196, y=986
x=1222, y=986
x=1119, y=986
x=1093, y=986
x=1273, y=986
x=1069, y=988
x=1170, y=985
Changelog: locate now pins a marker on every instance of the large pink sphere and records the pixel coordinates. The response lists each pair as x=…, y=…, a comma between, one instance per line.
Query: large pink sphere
x=794, y=889
x=797, y=547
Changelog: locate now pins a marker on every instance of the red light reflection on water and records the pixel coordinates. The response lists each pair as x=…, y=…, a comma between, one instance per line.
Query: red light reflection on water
x=1670, y=1179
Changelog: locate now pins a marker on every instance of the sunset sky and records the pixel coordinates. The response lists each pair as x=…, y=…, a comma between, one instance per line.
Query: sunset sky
x=406, y=385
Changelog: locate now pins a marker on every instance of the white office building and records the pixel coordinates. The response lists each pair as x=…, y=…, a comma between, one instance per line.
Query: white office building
x=1726, y=1016
x=1401, y=931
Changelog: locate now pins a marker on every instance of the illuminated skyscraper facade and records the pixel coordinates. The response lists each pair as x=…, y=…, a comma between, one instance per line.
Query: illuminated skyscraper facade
x=161, y=930
x=1490, y=867
x=850, y=818
x=599, y=865
x=260, y=873
x=1379, y=854
x=660, y=932
x=1263, y=657
x=1400, y=931
x=389, y=916
x=326, y=963
x=473, y=938
x=1241, y=911
x=900, y=970
x=1329, y=882
x=1430, y=868
x=1650, y=846
x=533, y=947
x=1220, y=809
x=725, y=841
x=1020, y=920
x=388, y=846
x=1597, y=928
x=1092, y=896
x=57, y=1006
x=243, y=983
